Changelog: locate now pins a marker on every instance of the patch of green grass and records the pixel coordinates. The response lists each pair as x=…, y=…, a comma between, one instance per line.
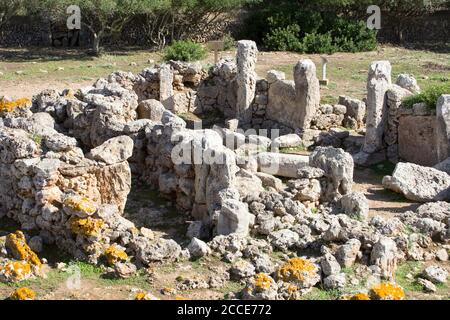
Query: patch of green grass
x=231, y=286
x=319, y=294
x=429, y=96
x=409, y=268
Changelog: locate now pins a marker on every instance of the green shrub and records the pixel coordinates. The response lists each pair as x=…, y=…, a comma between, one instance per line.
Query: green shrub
x=185, y=50
x=229, y=43
x=318, y=43
x=284, y=39
x=428, y=96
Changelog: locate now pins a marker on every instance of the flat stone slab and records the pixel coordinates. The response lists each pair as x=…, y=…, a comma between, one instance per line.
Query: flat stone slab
x=280, y=164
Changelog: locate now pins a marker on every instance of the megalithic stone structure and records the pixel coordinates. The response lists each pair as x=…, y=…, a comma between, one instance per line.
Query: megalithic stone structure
x=443, y=127
x=166, y=93
x=378, y=82
x=307, y=90
x=247, y=53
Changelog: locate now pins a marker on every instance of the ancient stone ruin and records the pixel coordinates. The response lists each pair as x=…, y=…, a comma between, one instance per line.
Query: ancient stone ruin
x=68, y=161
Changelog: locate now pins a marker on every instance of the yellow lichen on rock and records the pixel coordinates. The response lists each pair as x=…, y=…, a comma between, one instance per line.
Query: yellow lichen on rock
x=144, y=296
x=387, y=291
x=357, y=296
x=115, y=254
x=81, y=204
x=17, y=245
x=15, y=271
x=297, y=270
x=88, y=227
x=181, y=298
x=23, y=294
x=262, y=282
x=9, y=106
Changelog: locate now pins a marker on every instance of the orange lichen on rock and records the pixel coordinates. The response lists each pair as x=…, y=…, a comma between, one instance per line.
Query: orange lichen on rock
x=81, y=204
x=144, y=296
x=115, y=254
x=17, y=245
x=262, y=282
x=15, y=271
x=9, y=106
x=181, y=298
x=296, y=269
x=23, y=294
x=387, y=291
x=88, y=227
x=358, y=296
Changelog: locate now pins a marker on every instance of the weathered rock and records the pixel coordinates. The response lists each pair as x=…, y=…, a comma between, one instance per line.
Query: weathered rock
x=307, y=92
x=286, y=141
x=242, y=269
x=428, y=286
x=338, y=168
x=419, y=183
x=246, y=79
x=113, y=151
x=355, y=205
x=274, y=76
x=408, y=82
x=384, y=255
x=347, y=253
x=283, y=239
x=279, y=164
x=330, y=265
x=150, y=109
x=234, y=218
x=443, y=127
x=270, y=181
x=379, y=81
x=198, y=248
x=435, y=274
x=166, y=92
x=335, y=281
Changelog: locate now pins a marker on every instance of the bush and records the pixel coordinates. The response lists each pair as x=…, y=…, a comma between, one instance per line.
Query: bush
x=318, y=43
x=229, y=43
x=428, y=96
x=185, y=50
x=284, y=39
x=280, y=25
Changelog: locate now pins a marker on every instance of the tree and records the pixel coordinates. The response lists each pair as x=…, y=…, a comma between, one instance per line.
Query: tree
x=100, y=17
x=9, y=8
x=179, y=19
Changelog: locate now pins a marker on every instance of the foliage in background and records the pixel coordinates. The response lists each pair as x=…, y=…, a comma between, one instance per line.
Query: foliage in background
x=428, y=96
x=185, y=50
x=326, y=26
x=9, y=8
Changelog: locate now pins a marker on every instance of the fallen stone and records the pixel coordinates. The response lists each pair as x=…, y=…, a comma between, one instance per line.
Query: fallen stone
x=278, y=164
x=114, y=150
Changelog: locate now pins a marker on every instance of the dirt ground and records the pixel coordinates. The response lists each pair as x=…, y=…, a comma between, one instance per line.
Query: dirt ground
x=26, y=72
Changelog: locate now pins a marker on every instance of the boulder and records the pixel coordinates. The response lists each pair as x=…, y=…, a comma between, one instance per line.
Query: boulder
x=114, y=150
x=338, y=167
x=150, y=109
x=234, y=218
x=286, y=141
x=384, y=255
x=355, y=205
x=408, y=82
x=417, y=183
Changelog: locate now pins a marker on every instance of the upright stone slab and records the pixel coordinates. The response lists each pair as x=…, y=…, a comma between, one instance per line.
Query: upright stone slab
x=307, y=90
x=166, y=94
x=443, y=127
x=246, y=79
x=378, y=83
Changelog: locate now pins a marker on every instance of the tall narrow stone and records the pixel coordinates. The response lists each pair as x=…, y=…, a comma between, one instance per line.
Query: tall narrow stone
x=166, y=94
x=378, y=83
x=246, y=79
x=443, y=127
x=307, y=90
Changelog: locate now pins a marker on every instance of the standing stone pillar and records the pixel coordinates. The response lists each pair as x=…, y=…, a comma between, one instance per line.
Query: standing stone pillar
x=443, y=127
x=378, y=83
x=166, y=95
x=307, y=90
x=246, y=79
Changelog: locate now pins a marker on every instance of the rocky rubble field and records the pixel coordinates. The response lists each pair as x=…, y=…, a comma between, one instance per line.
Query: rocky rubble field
x=92, y=174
